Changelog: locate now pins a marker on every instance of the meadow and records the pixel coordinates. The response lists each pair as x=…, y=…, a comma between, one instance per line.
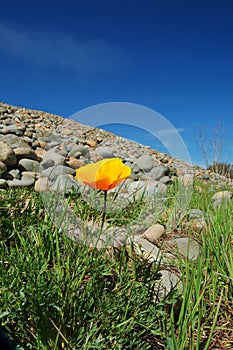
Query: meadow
x=60, y=294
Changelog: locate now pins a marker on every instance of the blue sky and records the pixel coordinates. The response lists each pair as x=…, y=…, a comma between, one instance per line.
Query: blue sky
x=175, y=57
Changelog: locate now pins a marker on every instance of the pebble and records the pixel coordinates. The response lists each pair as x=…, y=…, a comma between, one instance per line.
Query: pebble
x=7, y=155
x=3, y=168
x=186, y=246
x=3, y=183
x=74, y=163
x=186, y=180
x=25, y=152
x=146, y=249
x=41, y=184
x=222, y=195
x=158, y=172
x=145, y=163
x=78, y=151
x=29, y=164
x=154, y=233
x=25, y=181
x=64, y=184
x=105, y=152
x=54, y=156
x=168, y=282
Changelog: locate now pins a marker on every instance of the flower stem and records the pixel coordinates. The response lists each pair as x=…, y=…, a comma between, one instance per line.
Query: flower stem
x=104, y=209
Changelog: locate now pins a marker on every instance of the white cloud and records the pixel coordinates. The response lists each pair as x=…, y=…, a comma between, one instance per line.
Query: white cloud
x=169, y=132
x=61, y=49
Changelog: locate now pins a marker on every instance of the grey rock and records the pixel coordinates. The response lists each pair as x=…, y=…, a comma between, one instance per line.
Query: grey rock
x=15, y=173
x=105, y=152
x=147, y=188
x=186, y=180
x=7, y=155
x=78, y=150
x=3, y=167
x=196, y=214
x=53, y=155
x=64, y=184
x=222, y=195
x=47, y=163
x=159, y=171
x=205, y=177
x=168, y=282
x=165, y=180
x=11, y=129
x=53, y=144
x=53, y=172
x=14, y=141
x=26, y=181
x=146, y=249
x=3, y=183
x=186, y=246
x=25, y=152
x=144, y=163
x=197, y=225
x=29, y=164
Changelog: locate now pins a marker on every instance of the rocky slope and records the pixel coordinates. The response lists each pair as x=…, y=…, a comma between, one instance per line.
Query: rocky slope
x=43, y=150
x=27, y=135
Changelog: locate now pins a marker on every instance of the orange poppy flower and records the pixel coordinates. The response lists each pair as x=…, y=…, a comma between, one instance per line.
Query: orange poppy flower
x=104, y=174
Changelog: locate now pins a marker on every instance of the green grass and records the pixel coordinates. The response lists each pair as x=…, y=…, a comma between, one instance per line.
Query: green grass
x=60, y=294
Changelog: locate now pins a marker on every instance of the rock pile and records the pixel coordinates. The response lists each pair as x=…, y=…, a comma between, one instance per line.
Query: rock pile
x=43, y=150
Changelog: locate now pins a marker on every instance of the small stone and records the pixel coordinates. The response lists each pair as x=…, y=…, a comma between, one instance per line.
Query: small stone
x=78, y=150
x=41, y=185
x=53, y=172
x=40, y=152
x=168, y=282
x=186, y=246
x=146, y=249
x=7, y=155
x=47, y=163
x=222, y=195
x=186, y=180
x=15, y=173
x=11, y=129
x=3, y=168
x=153, y=233
x=75, y=163
x=197, y=225
x=196, y=214
x=165, y=180
x=205, y=177
x=25, y=152
x=91, y=143
x=66, y=132
x=159, y=171
x=42, y=144
x=32, y=174
x=64, y=184
x=14, y=141
x=24, y=182
x=29, y=164
x=218, y=203
x=3, y=183
x=57, y=158
x=105, y=152
x=144, y=163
